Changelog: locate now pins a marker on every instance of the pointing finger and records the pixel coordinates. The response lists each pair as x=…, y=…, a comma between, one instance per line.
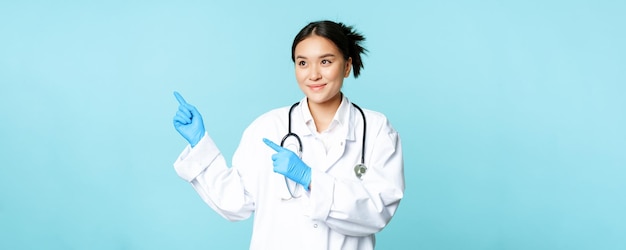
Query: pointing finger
x=180, y=98
x=273, y=145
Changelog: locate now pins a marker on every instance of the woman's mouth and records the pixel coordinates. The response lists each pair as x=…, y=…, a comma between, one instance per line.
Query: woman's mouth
x=317, y=87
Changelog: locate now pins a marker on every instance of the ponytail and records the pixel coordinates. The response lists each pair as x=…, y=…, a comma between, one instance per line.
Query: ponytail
x=344, y=37
x=354, y=48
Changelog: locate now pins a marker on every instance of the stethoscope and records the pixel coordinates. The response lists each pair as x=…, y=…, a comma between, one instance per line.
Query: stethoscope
x=359, y=169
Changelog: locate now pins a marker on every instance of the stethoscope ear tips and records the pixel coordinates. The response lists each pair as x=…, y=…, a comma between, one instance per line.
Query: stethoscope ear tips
x=360, y=170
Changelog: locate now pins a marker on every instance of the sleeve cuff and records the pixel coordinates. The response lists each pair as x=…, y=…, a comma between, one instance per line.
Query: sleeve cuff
x=192, y=161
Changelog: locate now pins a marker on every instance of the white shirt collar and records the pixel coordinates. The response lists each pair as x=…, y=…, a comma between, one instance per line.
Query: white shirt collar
x=341, y=120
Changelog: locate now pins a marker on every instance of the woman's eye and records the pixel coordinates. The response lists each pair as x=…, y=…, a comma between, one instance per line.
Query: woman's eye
x=302, y=63
x=325, y=61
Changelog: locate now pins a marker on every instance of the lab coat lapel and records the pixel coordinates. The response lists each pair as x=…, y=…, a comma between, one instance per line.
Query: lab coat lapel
x=299, y=127
x=299, y=123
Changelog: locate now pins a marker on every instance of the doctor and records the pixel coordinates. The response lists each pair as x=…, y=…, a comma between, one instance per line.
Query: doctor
x=324, y=188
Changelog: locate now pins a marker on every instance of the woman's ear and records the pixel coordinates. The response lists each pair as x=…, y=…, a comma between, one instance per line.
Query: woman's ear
x=348, y=67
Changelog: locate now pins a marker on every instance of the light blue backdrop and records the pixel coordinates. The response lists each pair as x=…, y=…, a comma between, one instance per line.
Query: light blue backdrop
x=512, y=115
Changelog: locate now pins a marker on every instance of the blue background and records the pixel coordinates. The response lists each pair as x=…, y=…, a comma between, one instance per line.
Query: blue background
x=512, y=116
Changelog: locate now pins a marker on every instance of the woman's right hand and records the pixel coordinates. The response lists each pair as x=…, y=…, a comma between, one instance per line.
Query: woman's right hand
x=188, y=121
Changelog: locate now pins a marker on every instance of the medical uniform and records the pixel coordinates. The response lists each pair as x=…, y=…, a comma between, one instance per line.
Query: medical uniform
x=340, y=211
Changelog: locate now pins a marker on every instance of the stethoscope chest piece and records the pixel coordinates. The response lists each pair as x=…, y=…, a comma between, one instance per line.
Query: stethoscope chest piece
x=360, y=170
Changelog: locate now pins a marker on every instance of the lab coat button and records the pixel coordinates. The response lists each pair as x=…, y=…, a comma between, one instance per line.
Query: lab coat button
x=314, y=225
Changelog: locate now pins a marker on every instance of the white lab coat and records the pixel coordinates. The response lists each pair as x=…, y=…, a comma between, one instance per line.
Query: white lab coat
x=340, y=211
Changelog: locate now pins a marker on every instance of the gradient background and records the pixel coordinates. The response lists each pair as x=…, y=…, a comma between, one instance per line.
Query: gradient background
x=512, y=116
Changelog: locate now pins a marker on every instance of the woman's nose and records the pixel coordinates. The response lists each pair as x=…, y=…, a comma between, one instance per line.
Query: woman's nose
x=315, y=74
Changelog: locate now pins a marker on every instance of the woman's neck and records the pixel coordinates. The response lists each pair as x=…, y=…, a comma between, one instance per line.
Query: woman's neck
x=323, y=113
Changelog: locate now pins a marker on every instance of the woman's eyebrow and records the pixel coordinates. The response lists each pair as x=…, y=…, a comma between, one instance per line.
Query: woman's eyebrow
x=322, y=56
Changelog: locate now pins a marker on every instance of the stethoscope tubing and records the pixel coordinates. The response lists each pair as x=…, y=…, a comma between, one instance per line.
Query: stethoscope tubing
x=290, y=133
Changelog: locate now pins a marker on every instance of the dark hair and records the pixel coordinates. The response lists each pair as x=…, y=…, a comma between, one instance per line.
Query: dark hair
x=344, y=37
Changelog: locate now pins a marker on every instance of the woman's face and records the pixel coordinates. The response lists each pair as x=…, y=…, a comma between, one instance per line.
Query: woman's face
x=320, y=70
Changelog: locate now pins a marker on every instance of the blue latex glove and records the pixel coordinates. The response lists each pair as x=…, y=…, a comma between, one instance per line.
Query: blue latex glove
x=188, y=121
x=290, y=165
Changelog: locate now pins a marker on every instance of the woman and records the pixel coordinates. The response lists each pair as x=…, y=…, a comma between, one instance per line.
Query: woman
x=316, y=198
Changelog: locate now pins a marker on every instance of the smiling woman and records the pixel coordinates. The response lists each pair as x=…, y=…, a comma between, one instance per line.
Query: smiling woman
x=328, y=205
x=323, y=53
x=511, y=115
